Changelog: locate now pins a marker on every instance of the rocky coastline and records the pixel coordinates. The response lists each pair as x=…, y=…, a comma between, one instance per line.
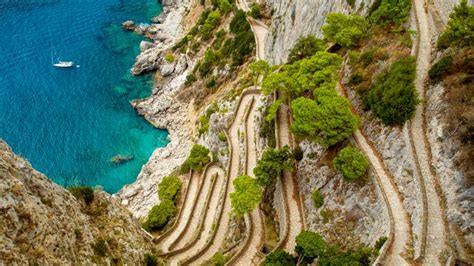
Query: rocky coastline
x=161, y=108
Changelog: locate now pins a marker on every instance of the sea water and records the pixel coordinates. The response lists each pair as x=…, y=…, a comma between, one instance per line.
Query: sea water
x=70, y=123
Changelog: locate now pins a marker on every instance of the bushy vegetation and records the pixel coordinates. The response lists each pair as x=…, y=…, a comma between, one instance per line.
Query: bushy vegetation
x=255, y=11
x=298, y=153
x=100, y=247
x=305, y=47
x=205, y=119
x=304, y=76
x=160, y=215
x=271, y=165
x=246, y=196
x=326, y=120
x=221, y=136
x=390, y=12
x=243, y=43
x=267, y=129
x=345, y=30
x=279, y=258
x=224, y=5
x=82, y=193
x=380, y=242
x=169, y=57
x=351, y=163
x=150, y=260
x=169, y=188
x=197, y=159
x=318, y=199
x=212, y=21
x=310, y=245
x=393, y=97
x=439, y=68
x=460, y=29
x=219, y=259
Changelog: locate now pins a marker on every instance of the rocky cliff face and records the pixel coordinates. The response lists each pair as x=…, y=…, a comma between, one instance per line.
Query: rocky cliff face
x=292, y=19
x=41, y=222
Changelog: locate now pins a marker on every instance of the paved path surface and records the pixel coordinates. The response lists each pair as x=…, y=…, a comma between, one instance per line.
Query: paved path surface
x=209, y=216
x=290, y=186
x=433, y=237
x=186, y=212
x=201, y=204
x=222, y=225
x=250, y=253
x=400, y=225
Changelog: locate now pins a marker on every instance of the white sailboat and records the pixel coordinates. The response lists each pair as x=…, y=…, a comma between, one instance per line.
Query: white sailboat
x=62, y=64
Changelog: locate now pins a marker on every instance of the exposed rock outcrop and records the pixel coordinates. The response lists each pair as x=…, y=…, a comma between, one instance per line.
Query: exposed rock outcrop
x=43, y=223
x=292, y=19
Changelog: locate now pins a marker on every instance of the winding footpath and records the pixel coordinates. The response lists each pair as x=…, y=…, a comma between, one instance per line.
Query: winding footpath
x=295, y=217
x=399, y=238
x=222, y=225
x=433, y=235
x=184, y=215
x=250, y=254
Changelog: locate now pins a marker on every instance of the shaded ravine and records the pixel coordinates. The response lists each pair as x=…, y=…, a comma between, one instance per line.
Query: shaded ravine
x=399, y=239
x=434, y=232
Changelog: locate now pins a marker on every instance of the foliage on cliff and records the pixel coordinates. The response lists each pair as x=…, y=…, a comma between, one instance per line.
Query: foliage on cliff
x=246, y=196
x=326, y=120
x=272, y=164
x=352, y=163
x=345, y=30
x=393, y=97
x=460, y=29
x=197, y=159
x=386, y=12
x=169, y=188
x=306, y=47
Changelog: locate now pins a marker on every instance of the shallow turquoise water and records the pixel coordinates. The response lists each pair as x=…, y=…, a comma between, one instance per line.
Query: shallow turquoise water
x=69, y=123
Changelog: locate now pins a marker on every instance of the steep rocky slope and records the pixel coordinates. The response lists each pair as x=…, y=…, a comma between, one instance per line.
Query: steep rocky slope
x=41, y=222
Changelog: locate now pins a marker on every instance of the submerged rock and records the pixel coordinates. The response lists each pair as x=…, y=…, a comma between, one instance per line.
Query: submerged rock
x=120, y=159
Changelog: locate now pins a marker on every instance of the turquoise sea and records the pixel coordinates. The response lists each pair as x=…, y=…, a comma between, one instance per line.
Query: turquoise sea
x=69, y=123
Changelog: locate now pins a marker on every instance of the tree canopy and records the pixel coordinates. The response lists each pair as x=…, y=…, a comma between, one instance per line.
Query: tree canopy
x=279, y=258
x=460, y=29
x=388, y=12
x=246, y=196
x=326, y=120
x=272, y=164
x=305, y=47
x=198, y=158
x=169, y=188
x=159, y=215
x=351, y=163
x=393, y=97
x=345, y=30
x=304, y=75
x=310, y=245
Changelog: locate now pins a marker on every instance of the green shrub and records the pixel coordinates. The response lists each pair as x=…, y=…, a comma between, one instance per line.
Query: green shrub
x=224, y=6
x=239, y=22
x=160, y=215
x=205, y=119
x=190, y=79
x=219, y=259
x=150, y=260
x=279, y=257
x=351, y=3
x=351, y=163
x=390, y=12
x=393, y=97
x=208, y=63
x=247, y=194
x=460, y=29
x=271, y=165
x=221, y=136
x=367, y=57
x=169, y=188
x=439, y=68
x=306, y=75
x=255, y=11
x=328, y=120
x=361, y=255
x=298, y=154
x=379, y=244
x=212, y=21
x=356, y=79
x=211, y=84
x=82, y=192
x=345, y=30
x=100, y=247
x=310, y=245
x=305, y=47
x=169, y=57
x=317, y=198
x=198, y=158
